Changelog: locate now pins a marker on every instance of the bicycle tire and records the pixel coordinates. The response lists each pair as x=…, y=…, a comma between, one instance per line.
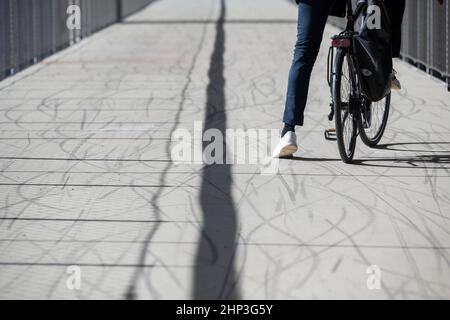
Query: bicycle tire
x=372, y=141
x=346, y=138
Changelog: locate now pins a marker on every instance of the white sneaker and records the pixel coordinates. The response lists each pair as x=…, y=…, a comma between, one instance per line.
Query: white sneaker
x=287, y=146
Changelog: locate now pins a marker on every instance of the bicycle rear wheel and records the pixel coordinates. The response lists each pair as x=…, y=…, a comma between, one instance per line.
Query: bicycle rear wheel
x=373, y=120
x=344, y=87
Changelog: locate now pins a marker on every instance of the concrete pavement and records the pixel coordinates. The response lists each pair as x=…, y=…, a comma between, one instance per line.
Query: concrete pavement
x=87, y=178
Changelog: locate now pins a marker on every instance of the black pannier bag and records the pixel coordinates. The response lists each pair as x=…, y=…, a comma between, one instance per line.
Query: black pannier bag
x=373, y=53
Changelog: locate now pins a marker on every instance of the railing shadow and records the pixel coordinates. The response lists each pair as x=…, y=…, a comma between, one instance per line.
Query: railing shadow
x=441, y=158
x=390, y=146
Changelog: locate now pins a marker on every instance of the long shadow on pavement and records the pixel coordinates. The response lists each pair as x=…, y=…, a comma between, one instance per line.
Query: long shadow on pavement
x=214, y=274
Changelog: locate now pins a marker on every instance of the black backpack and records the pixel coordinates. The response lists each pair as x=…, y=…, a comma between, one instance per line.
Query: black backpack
x=373, y=55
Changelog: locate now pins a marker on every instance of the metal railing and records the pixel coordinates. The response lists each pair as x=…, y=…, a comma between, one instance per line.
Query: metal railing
x=426, y=36
x=31, y=30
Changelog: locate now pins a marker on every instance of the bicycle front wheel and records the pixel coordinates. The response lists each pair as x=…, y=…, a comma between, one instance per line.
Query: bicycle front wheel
x=373, y=120
x=344, y=86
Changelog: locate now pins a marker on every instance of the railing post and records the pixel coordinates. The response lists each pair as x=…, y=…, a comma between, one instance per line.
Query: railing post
x=119, y=10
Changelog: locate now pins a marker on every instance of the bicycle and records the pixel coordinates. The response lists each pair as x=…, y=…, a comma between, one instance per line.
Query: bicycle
x=353, y=112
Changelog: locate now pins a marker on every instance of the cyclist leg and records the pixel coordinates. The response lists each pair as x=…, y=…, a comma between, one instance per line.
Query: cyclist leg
x=396, y=10
x=312, y=17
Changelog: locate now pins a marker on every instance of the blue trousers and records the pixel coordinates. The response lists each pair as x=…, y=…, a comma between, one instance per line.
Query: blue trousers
x=312, y=17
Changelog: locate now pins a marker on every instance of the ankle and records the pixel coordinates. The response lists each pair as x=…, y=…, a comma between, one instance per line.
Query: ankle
x=287, y=128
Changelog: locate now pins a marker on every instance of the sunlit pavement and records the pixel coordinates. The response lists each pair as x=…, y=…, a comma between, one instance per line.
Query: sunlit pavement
x=87, y=178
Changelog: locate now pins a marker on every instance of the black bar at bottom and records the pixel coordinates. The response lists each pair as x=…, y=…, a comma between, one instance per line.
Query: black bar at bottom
x=252, y=309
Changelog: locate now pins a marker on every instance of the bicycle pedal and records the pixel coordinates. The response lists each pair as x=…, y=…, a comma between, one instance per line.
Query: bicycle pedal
x=330, y=134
